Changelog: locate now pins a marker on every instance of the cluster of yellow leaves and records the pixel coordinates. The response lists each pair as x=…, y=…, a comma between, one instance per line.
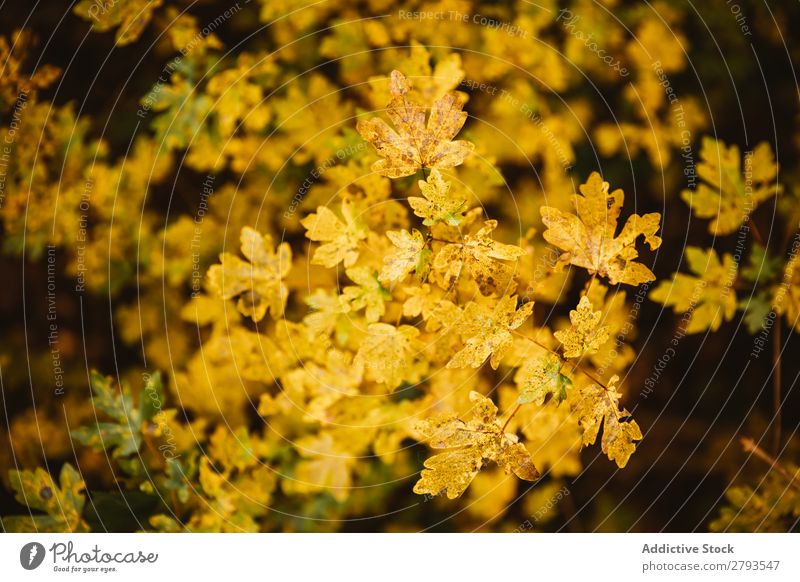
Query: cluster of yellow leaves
x=653, y=122
x=420, y=299
x=474, y=444
x=16, y=83
x=130, y=17
x=341, y=238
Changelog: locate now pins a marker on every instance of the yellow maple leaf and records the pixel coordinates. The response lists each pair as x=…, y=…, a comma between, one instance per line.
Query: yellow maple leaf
x=488, y=329
x=328, y=314
x=430, y=302
x=482, y=257
x=438, y=205
x=585, y=336
x=596, y=405
x=588, y=238
x=389, y=354
x=314, y=388
x=430, y=83
x=473, y=445
x=341, y=239
x=367, y=294
x=613, y=356
x=325, y=467
x=258, y=283
x=416, y=145
x=411, y=255
x=707, y=296
x=726, y=194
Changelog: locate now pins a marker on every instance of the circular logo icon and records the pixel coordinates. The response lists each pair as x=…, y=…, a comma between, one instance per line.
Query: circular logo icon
x=31, y=555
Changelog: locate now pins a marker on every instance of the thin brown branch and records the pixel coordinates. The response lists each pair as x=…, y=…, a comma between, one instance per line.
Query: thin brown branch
x=756, y=233
x=776, y=387
x=750, y=446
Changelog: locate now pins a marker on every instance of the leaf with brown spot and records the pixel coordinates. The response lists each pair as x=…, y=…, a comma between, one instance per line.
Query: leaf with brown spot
x=415, y=144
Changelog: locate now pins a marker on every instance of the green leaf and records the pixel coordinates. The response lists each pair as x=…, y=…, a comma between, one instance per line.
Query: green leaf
x=151, y=398
x=756, y=309
x=123, y=436
x=761, y=266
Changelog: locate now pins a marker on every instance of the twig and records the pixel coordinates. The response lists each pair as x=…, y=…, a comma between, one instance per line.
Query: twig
x=750, y=446
x=776, y=387
x=756, y=233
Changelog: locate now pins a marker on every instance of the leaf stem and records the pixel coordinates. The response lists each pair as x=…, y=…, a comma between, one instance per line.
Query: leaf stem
x=589, y=285
x=510, y=416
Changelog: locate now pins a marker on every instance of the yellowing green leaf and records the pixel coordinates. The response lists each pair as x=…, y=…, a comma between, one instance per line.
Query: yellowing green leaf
x=416, y=145
x=122, y=432
x=62, y=503
x=367, y=294
x=537, y=378
x=707, y=296
x=129, y=16
x=727, y=194
x=411, y=255
x=259, y=282
x=586, y=334
x=588, y=237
